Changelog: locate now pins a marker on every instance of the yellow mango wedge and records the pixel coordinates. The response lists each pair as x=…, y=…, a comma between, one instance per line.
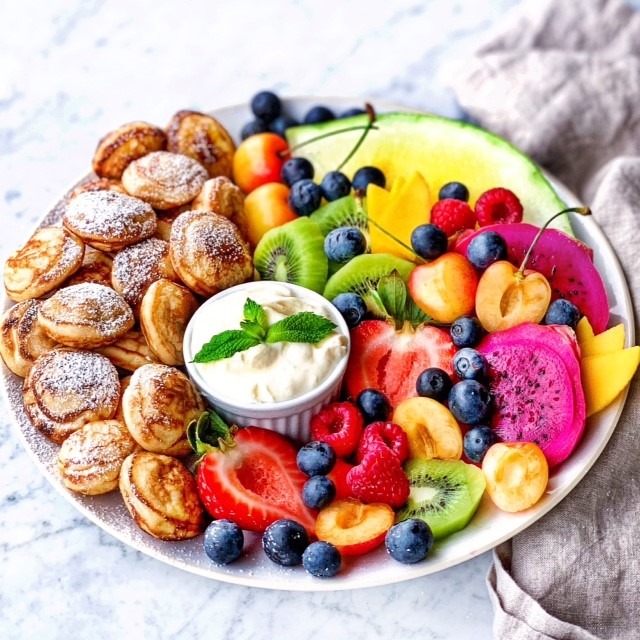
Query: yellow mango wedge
x=584, y=330
x=399, y=212
x=605, y=342
x=604, y=376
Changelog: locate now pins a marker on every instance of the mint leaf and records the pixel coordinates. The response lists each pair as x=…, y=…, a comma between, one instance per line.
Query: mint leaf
x=301, y=327
x=255, y=313
x=224, y=345
x=393, y=295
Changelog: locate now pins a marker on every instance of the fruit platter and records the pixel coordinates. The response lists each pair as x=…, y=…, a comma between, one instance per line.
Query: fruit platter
x=314, y=352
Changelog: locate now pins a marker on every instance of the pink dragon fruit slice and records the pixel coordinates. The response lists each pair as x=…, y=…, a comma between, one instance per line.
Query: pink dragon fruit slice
x=566, y=262
x=534, y=379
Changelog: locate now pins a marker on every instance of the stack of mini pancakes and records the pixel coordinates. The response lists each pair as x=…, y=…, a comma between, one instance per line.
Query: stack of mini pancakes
x=103, y=301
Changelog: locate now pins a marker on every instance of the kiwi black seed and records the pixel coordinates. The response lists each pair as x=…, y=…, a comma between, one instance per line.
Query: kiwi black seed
x=444, y=493
x=293, y=252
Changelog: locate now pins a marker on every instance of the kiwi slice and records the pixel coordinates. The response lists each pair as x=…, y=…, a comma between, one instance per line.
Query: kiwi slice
x=361, y=275
x=444, y=493
x=341, y=213
x=293, y=252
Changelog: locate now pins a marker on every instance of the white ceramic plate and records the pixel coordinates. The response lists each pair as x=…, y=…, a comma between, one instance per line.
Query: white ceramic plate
x=488, y=528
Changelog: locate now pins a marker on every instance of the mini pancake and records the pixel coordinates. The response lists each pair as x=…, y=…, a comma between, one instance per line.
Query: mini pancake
x=164, y=179
x=138, y=266
x=165, y=221
x=66, y=388
x=129, y=352
x=158, y=404
x=223, y=197
x=124, y=145
x=48, y=258
x=98, y=184
x=108, y=220
x=165, y=312
x=202, y=138
x=22, y=340
x=90, y=459
x=85, y=316
x=208, y=252
x=119, y=415
x=161, y=496
x=96, y=267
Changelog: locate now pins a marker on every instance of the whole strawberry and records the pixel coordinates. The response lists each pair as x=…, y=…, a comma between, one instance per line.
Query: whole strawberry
x=379, y=477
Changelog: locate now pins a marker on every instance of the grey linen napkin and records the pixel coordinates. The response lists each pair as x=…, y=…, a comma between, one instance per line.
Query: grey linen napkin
x=562, y=82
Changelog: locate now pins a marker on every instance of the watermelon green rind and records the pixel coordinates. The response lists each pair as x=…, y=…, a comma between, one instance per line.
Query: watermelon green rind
x=442, y=150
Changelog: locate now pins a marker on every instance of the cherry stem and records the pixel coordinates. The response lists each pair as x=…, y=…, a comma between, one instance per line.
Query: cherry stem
x=583, y=211
x=364, y=128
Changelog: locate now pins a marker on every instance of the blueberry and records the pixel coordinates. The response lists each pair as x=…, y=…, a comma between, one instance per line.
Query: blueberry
x=318, y=492
x=253, y=127
x=316, y=458
x=562, y=311
x=486, y=248
x=476, y=442
x=281, y=124
x=223, y=541
x=470, y=364
x=344, y=243
x=321, y=559
x=305, y=197
x=266, y=105
x=466, y=331
x=455, y=191
x=284, y=542
x=335, y=185
x=429, y=241
x=469, y=402
x=296, y=169
x=374, y=405
x=434, y=383
x=353, y=111
x=319, y=114
x=409, y=541
x=367, y=175
x=351, y=306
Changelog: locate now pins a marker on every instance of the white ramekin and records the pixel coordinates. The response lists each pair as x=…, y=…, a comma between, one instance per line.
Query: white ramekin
x=288, y=417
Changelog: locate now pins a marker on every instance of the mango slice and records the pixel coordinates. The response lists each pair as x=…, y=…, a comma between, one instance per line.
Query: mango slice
x=584, y=331
x=398, y=212
x=605, y=342
x=604, y=376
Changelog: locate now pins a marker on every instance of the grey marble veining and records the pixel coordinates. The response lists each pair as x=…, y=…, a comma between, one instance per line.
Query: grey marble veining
x=69, y=72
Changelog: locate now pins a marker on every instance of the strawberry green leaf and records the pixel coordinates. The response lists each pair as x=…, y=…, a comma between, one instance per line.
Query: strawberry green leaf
x=301, y=327
x=224, y=345
x=393, y=294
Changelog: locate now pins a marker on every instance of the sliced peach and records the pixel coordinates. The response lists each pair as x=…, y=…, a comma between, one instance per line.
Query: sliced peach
x=353, y=527
x=517, y=474
x=605, y=376
x=505, y=298
x=431, y=429
x=605, y=342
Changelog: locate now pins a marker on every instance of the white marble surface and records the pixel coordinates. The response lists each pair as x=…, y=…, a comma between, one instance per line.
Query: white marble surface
x=69, y=72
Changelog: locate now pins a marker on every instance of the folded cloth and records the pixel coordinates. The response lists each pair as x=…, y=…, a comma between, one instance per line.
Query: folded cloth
x=562, y=82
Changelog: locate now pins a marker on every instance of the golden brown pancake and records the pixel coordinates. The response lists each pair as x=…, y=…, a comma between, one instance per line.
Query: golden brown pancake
x=48, y=258
x=158, y=404
x=223, y=197
x=124, y=145
x=208, y=252
x=85, y=316
x=165, y=312
x=66, y=388
x=202, y=138
x=96, y=267
x=90, y=459
x=98, y=184
x=161, y=496
x=129, y=352
x=164, y=179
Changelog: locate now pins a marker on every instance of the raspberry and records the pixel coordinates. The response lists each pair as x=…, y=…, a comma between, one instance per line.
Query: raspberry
x=340, y=425
x=498, y=206
x=452, y=216
x=379, y=478
x=388, y=434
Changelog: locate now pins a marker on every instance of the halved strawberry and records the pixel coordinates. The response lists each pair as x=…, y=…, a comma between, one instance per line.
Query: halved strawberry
x=248, y=475
x=389, y=360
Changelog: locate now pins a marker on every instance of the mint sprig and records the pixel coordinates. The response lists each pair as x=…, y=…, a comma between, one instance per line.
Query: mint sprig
x=254, y=330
